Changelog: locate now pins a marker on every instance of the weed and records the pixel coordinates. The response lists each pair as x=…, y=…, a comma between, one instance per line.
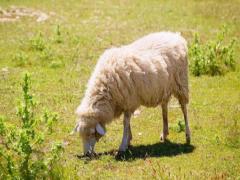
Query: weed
x=44, y=50
x=58, y=35
x=21, y=59
x=213, y=58
x=21, y=148
x=38, y=42
x=46, y=55
x=179, y=127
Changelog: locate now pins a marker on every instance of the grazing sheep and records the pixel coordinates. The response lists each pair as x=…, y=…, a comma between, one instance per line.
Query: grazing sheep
x=146, y=72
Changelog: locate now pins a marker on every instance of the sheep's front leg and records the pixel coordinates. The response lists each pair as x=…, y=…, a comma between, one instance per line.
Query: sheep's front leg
x=165, y=122
x=127, y=134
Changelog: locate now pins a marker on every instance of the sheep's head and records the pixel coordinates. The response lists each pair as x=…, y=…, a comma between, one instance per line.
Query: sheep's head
x=90, y=131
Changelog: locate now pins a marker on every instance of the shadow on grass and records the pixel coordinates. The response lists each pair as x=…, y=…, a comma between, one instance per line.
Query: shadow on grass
x=159, y=149
x=155, y=150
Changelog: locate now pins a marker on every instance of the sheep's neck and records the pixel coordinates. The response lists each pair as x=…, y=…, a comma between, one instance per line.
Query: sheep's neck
x=102, y=106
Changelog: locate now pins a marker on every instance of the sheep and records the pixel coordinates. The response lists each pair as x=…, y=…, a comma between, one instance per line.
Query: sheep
x=146, y=72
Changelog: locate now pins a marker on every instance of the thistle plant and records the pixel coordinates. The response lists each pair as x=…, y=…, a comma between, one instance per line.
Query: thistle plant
x=23, y=151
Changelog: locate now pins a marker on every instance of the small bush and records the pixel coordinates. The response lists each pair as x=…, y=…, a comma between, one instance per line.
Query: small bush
x=23, y=152
x=214, y=57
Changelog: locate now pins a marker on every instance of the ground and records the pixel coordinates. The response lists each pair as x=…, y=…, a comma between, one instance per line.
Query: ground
x=61, y=52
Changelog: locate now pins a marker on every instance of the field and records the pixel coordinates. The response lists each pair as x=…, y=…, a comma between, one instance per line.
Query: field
x=61, y=52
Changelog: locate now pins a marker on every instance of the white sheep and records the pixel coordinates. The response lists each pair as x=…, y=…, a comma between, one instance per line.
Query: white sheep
x=146, y=72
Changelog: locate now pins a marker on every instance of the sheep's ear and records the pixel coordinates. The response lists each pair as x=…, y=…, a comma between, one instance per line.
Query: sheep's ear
x=100, y=129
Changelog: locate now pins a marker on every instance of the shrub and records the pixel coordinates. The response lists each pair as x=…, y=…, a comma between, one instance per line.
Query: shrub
x=214, y=57
x=23, y=151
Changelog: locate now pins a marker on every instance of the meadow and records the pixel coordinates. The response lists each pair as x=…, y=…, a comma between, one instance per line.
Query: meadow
x=60, y=54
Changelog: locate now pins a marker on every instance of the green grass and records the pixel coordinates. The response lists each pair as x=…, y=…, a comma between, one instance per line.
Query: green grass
x=60, y=66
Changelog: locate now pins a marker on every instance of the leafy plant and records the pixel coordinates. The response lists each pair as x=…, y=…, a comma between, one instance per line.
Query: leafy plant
x=214, y=57
x=22, y=151
x=179, y=127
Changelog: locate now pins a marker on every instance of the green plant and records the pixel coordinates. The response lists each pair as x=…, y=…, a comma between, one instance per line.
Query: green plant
x=22, y=151
x=46, y=55
x=179, y=127
x=44, y=50
x=214, y=57
x=197, y=57
x=20, y=59
x=58, y=35
x=38, y=43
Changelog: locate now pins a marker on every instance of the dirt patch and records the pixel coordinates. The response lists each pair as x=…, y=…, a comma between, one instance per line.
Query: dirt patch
x=15, y=13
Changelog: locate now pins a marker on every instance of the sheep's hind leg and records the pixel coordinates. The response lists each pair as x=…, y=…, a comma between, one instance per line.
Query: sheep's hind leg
x=187, y=129
x=127, y=135
x=130, y=134
x=165, y=122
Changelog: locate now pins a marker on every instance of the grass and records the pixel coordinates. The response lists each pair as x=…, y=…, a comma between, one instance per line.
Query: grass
x=61, y=53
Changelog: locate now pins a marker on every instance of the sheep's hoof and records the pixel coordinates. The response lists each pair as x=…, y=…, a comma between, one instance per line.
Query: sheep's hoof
x=188, y=139
x=91, y=155
x=163, y=138
x=120, y=155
